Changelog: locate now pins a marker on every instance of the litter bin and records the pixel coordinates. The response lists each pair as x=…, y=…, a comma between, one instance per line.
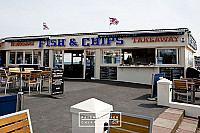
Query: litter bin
x=57, y=82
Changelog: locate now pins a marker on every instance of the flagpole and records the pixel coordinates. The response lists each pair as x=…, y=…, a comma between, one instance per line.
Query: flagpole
x=109, y=24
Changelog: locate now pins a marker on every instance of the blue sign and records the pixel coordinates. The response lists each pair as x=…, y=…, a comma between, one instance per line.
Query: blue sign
x=86, y=42
x=53, y=43
x=159, y=60
x=8, y=104
x=156, y=77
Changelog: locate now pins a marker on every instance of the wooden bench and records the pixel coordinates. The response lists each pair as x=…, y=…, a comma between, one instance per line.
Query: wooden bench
x=18, y=122
x=130, y=123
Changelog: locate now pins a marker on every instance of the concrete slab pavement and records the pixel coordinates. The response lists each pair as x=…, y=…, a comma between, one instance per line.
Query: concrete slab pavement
x=50, y=115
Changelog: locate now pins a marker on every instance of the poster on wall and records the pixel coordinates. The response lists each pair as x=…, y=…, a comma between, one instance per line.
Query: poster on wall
x=159, y=60
x=117, y=60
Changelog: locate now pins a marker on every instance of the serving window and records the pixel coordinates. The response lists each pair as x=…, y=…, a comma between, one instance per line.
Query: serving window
x=167, y=56
x=139, y=56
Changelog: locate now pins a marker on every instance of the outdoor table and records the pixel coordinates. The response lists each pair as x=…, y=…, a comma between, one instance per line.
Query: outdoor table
x=21, y=73
x=26, y=72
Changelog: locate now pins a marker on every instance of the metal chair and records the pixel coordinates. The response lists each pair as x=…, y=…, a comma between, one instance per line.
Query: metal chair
x=34, y=79
x=6, y=79
x=27, y=75
x=12, y=71
x=28, y=69
x=180, y=87
x=47, y=77
x=197, y=85
x=188, y=79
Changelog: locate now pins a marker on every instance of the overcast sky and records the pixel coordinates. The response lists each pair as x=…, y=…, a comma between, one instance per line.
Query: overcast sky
x=26, y=17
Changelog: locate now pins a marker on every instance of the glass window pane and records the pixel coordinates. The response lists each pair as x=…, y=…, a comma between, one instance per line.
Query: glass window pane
x=57, y=58
x=12, y=58
x=190, y=59
x=37, y=57
x=140, y=56
x=167, y=56
x=19, y=57
x=108, y=56
x=67, y=58
x=111, y=56
x=28, y=57
x=90, y=52
x=76, y=60
x=116, y=57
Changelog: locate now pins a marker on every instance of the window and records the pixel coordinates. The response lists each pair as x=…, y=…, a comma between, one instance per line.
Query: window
x=28, y=57
x=19, y=58
x=12, y=58
x=67, y=58
x=90, y=52
x=25, y=57
x=139, y=56
x=190, y=59
x=167, y=56
x=76, y=60
x=37, y=57
x=57, y=58
x=111, y=56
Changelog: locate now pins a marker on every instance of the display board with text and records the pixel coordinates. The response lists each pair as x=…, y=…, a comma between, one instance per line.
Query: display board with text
x=108, y=73
x=172, y=72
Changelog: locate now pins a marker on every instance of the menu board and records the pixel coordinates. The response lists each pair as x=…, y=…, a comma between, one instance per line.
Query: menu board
x=46, y=58
x=108, y=73
x=57, y=82
x=172, y=72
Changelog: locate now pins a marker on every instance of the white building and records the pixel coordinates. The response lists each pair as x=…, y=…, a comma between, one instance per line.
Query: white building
x=130, y=56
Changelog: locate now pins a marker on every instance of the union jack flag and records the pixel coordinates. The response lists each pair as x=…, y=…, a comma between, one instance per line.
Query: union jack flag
x=45, y=27
x=113, y=21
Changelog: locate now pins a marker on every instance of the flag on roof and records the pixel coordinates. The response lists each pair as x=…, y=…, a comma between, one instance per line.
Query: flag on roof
x=45, y=27
x=113, y=21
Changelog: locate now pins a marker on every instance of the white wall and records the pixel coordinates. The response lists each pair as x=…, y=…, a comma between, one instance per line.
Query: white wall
x=142, y=75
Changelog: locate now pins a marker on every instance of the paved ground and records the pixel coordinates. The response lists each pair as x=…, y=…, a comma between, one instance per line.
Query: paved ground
x=50, y=115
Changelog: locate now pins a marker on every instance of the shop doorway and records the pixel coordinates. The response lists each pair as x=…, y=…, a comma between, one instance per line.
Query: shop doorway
x=73, y=63
x=2, y=58
x=90, y=64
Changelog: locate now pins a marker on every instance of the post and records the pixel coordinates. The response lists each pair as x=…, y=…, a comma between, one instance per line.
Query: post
x=163, y=92
x=90, y=115
x=20, y=101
